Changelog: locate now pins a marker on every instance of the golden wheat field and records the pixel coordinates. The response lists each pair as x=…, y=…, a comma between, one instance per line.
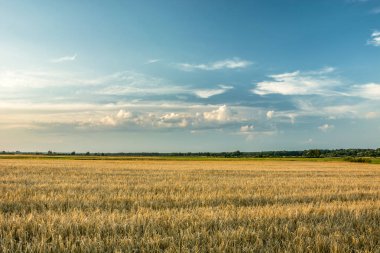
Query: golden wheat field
x=188, y=206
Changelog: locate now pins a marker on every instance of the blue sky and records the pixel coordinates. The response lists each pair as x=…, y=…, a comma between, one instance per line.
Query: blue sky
x=168, y=76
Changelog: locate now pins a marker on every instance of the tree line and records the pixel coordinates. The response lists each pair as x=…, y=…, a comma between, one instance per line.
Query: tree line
x=310, y=153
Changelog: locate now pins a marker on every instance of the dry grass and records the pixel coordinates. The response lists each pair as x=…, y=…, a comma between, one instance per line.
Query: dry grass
x=188, y=206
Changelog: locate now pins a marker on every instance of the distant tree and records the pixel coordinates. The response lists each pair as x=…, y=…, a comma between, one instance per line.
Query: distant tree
x=73, y=153
x=312, y=153
x=50, y=152
x=87, y=153
x=237, y=153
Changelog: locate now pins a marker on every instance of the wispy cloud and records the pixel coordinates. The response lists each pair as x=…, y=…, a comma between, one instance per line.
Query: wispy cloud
x=64, y=58
x=369, y=91
x=362, y=109
x=299, y=83
x=234, y=63
x=151, y=61
x=372, y=115
x=133, y=83
x=375, y=10
x=119, y=83
x=357, y=1
x=124, y=83
x=16, y=79
x=375, y=39
x=206, y=93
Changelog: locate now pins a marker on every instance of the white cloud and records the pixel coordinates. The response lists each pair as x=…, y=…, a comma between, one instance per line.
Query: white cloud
x=369, y=91
x=248, y=132
x=65, y=58
x=132, y=83
x=372, y=115
x=325, y=127
x=223, y=113
x=375, y=39
x=116, y=84
x=234, y=63
x=325, y=70
x=15, y=80
x=363, y=109
x=299, y=83
x=113, y=119
x=292, y=117
x=338, y=110
x=23, y=83
x=270, y=114
x=174, y=120
x=108, y=121
x=206, y=93
x=122, y=114
x=151, y=61
x=247, y=128
x=159, y=119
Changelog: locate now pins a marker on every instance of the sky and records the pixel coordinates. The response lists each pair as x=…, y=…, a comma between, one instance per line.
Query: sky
x=189, y=76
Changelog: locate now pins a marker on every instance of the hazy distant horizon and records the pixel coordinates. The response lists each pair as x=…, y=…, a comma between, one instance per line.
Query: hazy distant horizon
x=189, y=76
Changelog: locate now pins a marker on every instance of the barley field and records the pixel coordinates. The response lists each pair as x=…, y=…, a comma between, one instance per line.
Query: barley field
x=188, y=206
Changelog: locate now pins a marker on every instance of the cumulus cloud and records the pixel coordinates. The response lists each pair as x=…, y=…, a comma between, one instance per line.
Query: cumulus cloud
x=196, y=118
x=325, y=127
x=270, y=114
x=174, y=120
x=65, y=58
x=298, y=83
x=223, y=113
x=122, y=114
x=108, y=121
x=375, y=39
x=234, y=63
x=115, y=119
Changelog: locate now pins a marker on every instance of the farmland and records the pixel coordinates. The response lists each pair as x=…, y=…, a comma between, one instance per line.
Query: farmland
x=65, y=205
